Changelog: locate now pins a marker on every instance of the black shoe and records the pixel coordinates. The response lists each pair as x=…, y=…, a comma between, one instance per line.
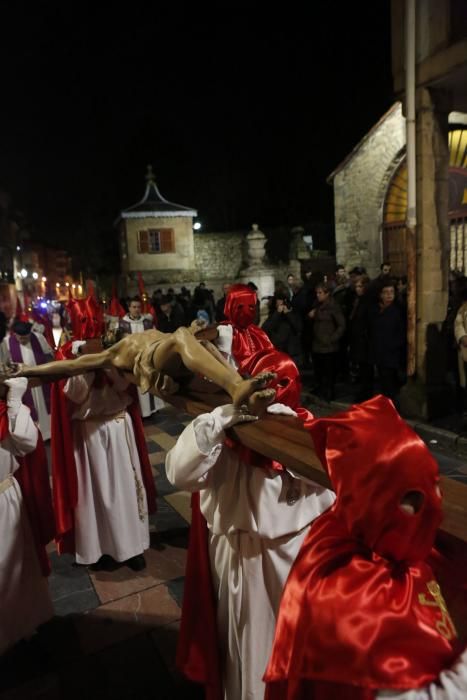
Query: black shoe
x=105, y=563
x=137, y=563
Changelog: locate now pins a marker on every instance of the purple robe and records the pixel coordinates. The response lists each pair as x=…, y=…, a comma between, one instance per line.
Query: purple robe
x=40, y=358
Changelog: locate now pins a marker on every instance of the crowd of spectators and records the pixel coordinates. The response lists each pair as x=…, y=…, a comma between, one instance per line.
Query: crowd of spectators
x=339, y=328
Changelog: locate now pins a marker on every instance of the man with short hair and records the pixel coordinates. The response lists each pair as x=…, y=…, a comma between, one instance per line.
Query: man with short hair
x=30, y=348
x=171, y=316
x=137, y=322
x=290, y=285
x=219, y=315
x=385, y=269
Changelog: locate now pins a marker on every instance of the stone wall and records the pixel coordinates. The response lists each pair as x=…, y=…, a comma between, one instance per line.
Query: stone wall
x=218, y=258
x=360, y=186
x=219, y=255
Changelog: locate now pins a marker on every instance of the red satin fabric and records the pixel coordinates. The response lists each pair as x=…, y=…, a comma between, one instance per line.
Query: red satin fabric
x=239, y=311
x=86, y=318
x=115, y=308
x=287, y=383
x=198, y=644
x=33, y=478
x=4, y=425
x=360, y=606
x=65, y=491
x=288, y=388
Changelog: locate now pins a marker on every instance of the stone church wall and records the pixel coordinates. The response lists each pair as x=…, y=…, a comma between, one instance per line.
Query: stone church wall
x=359, y=192
x=219, y=255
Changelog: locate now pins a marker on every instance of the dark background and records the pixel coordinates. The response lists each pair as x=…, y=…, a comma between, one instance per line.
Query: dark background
x=242, y=113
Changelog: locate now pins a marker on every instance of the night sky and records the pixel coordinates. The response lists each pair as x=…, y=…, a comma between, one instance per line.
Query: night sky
x=243, y=114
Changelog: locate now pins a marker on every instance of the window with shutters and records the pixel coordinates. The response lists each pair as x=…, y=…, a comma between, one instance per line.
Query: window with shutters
x=154, y=240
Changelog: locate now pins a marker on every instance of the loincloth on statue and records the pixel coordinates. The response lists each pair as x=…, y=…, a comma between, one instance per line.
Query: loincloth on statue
x=148, y=377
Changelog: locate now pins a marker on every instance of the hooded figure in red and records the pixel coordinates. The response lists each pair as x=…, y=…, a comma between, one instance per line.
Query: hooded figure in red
x=198, y=645
x=239, y=311
x=361, y=609
x=87, y=323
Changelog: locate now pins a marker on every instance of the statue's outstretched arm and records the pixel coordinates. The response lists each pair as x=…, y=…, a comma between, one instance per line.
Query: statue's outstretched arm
x=66, y=368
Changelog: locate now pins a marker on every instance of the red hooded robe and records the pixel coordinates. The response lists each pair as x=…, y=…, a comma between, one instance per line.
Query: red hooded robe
x=361, y=609
x=87, y=322
x=197, y=649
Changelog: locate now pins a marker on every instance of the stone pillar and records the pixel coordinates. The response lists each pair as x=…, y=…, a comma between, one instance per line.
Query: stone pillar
x=432, y=218
x=255, y=271
x=432, y=255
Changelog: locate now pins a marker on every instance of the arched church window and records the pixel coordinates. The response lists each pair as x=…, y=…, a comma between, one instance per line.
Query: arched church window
x=395, y=208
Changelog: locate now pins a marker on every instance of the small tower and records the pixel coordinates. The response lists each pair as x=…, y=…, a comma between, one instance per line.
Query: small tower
x=156, y=238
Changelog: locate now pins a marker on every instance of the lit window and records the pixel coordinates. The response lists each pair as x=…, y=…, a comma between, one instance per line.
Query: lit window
x=156, y=241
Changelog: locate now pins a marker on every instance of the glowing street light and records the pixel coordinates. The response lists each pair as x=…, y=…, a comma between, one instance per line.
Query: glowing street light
x=44, y=279
x=24, y=273
x=35, y=276
x=197, y=225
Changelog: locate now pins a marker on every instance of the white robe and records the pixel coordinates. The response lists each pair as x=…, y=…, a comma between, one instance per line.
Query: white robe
x=145, y=400
x=107, y=517
x=257, y=520
x=24, y=595
x=43, y=417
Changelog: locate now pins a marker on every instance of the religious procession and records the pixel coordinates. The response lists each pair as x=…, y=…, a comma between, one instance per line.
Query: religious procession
x=258, y=526
x=233, y=455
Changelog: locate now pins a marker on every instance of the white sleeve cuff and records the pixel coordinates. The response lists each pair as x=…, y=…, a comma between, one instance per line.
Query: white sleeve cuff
x=224, y=338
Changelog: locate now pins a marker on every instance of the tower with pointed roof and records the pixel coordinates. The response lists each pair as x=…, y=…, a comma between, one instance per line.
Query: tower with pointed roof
x=156, y=238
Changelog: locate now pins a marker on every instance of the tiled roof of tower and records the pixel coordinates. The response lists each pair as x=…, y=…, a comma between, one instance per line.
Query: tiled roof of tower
x=154, y=204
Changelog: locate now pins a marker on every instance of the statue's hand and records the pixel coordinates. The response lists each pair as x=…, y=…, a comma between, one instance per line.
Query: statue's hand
x=198, y=325
x=15, y=369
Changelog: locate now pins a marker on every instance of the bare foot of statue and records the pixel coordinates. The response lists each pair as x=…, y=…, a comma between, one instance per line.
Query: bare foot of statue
x=259, y=401
x=245, y=389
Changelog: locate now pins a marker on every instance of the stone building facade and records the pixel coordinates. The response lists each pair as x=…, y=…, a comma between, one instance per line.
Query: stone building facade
x=360, y=186
x=371, y=188
x=157, y=239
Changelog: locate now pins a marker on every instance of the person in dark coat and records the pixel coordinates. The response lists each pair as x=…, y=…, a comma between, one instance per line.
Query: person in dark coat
x=328, y=327
x=170, y=316
x=387, y=341
x=358, y=340
x=219, y=310
x=284, y=327
x=254, y=289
